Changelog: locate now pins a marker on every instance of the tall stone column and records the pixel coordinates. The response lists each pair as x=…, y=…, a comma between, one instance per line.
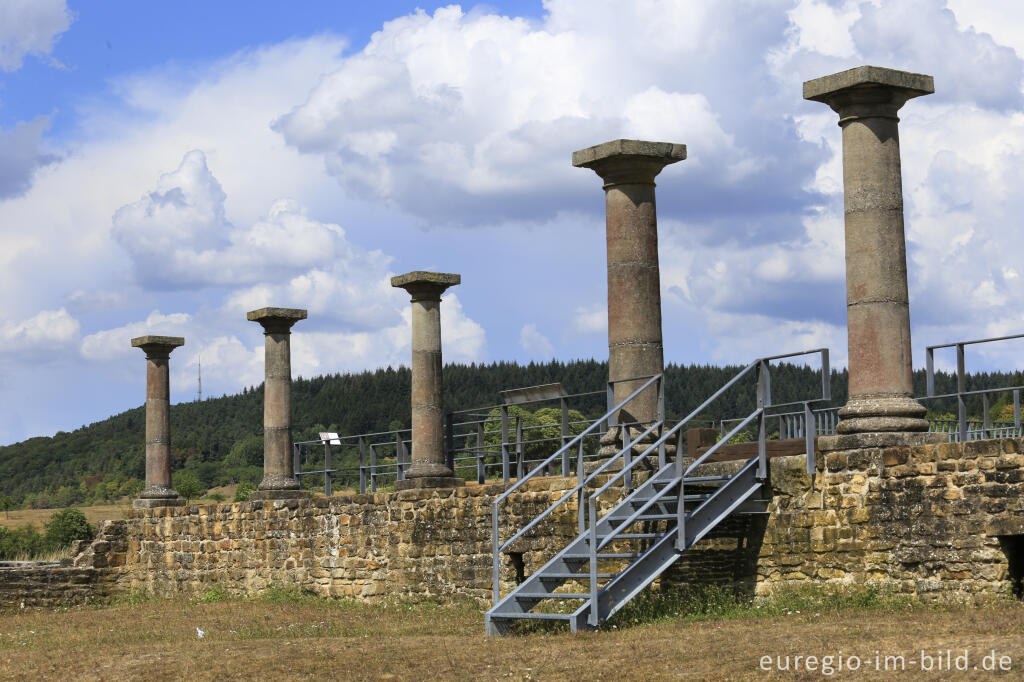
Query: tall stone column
x=158, y=491
x=279, y=480
x=428, y=469
x=628, y=168
x=867, y=99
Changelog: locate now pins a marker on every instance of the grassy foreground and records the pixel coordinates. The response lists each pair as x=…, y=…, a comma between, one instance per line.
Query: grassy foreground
x=285, y=636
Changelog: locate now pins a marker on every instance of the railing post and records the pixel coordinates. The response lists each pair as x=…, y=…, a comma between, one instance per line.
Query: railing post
x=961, y=387
x=564, y=404
x=929, y=366
x=764, y=399
x=1016, y=412
x=450, y=441
x=986, y=420
x=661, y=419
x=327, y=468
x=362, y=465
x=627, y=457
x=399, y=459
x=579, y=485
x=504, y=444
x=826, y=376
x=680, y=505
x=612, y=418
x=481, y=470
x=809, y=431
x=593, y=564
x=520, y=453
x=496, y=559
x=373, y=467
x=296, y=460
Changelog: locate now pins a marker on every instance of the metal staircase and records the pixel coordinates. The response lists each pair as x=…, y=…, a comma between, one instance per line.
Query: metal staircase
x=621, y=551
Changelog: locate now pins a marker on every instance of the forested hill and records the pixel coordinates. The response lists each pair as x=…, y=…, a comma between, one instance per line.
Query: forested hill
x=220, y=439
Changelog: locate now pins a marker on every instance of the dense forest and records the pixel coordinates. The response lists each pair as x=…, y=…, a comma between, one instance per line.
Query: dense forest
x=219, y=440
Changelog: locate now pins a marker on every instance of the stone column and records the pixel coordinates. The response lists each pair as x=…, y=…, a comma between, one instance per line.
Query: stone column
x=628, y=168
x=279, y=480
x=158, y=491
x=867, y=99
x=428, y=469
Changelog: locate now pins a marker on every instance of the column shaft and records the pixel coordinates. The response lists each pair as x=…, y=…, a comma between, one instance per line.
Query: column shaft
x=428, y=455
x=277, y=414
x=158, y=429
x=634, y=294
x=867, y=100
x=158, y=491
x=429, y=468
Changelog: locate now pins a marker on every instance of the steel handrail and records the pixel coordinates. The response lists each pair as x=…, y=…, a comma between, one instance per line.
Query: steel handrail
x=577, y=441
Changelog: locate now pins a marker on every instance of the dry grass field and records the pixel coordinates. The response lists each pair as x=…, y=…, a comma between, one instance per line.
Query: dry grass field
x=37, y=517
x=286, y=636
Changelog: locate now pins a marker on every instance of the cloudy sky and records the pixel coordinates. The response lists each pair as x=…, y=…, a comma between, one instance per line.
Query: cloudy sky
x=165, y=167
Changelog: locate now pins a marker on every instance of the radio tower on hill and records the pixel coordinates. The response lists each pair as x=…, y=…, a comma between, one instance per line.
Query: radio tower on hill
x=199, y=377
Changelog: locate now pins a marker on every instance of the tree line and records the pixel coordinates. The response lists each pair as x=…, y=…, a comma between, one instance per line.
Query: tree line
x=219, y=440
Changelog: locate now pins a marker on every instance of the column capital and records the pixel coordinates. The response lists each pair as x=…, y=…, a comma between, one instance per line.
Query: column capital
x=157, y=347
x=276, y=320
x=628, y=162
x=425, y=285
x=868, y=91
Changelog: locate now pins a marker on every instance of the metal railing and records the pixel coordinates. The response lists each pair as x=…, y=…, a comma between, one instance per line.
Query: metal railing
x=494, y=442
x=383, y=457
x=677, y=432
x=578, y=491
x=986, y=429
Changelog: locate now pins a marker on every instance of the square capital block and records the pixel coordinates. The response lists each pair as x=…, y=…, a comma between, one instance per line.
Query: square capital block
x=868, y=82
x=629, y=161
x=276, y=320
x=157, y=346
x=423, y=284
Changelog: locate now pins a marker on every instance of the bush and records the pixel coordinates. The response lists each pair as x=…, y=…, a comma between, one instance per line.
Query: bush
x=187, y=485
x=243, y=491
x=67, y=526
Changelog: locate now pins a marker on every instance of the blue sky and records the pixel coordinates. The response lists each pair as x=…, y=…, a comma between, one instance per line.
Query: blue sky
x=166, y=167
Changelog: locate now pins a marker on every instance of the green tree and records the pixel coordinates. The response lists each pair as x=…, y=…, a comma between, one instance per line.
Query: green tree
x=243, y=491
x=66, y=526
x=6, y=505
x=187, y=485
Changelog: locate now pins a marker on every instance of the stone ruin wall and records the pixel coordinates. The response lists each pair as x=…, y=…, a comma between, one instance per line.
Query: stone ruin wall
x=932, y=521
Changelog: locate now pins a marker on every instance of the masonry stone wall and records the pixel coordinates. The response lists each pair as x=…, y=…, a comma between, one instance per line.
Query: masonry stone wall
x=934, y=521
x=413, y=543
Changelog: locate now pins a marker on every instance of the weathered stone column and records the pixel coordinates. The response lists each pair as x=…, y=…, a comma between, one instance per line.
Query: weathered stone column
x=628, y=168
x=428, y=469
x=279, y=480
x=158, y=491
x=867, y=99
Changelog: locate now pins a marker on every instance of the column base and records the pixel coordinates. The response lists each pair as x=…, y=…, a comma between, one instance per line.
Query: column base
x=882, y=413
x=157, y=502
x=429, y=482
x=285, y=494
x=882, y=439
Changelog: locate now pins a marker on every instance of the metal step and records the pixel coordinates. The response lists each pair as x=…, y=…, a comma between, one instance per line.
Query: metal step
x=586, y=557
x=554, y=595
x=529, y=615
x=565, y=575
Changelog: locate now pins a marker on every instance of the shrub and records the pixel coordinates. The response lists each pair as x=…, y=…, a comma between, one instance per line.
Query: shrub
x=67, y=526
x=243, y=491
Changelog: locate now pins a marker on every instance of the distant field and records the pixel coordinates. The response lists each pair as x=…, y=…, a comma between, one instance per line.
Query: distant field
x=37, y=517
x=286, y=638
